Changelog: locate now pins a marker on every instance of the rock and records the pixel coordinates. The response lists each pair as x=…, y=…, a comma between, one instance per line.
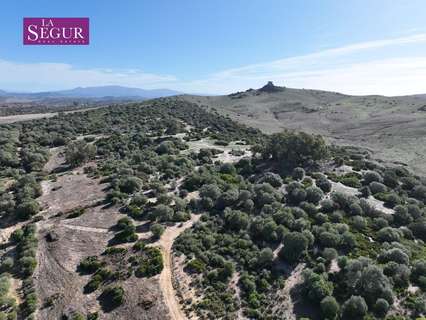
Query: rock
x=52, y=236
x=270, y=87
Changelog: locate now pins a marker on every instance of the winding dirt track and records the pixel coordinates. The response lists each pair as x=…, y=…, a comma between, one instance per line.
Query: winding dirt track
x=166, y=282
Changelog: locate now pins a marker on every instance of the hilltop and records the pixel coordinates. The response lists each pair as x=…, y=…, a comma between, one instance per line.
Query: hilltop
x=394, y=127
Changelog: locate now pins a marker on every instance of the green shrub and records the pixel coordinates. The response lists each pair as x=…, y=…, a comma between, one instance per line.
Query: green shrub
x=157, y=230
x=113, y=296
x=377, y=187
x=196, y=265
x=354, y=308
x=295, y=245
x=90, y=265
x=329, y=307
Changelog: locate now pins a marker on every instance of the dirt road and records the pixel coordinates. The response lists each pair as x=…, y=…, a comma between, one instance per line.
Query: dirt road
x=166, y=282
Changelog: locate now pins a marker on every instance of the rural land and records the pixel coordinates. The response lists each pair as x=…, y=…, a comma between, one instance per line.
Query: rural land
x=270, y=203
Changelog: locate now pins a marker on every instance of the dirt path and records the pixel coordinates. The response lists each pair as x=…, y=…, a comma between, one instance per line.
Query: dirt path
x=78, y=228
x=288, y=304
x=6, y=232
x=166, y=281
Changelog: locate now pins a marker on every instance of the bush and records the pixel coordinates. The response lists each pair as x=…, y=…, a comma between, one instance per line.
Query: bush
x=314, y=195
x=418, y=272
x=151, y=263
x=296, y=149
x=265, y=258
x=372, y=176
x=124, y=223
x=419, y=228
x=377, y=187
x=324, y=184
x=27, y=265
x=27, y=209
x=90, y=265
x=401, y=216
x=389, y=234
x=350, y=181
x=78, y=152
x=17, y=235
x=395, y=255
x=196, y=265
x=7, y=265
x=272, y=178
x=381, y=307
x=327, y=206
x=113, y=297
x=329, y=308
x=162, y=212
x=157, y=230
x=30, y=304
x=295, y=245
x=315, y=287
x=354, y=308
x=210, y=191
x=298, y=173
x=130, y=185
x=329, y=254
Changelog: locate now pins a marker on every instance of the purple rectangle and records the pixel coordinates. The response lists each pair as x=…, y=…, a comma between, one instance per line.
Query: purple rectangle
x=56, y=31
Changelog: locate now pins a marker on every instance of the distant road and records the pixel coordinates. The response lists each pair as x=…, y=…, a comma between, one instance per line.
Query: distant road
x=32, y=116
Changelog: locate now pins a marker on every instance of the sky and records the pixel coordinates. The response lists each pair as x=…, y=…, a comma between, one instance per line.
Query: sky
x=223, y=46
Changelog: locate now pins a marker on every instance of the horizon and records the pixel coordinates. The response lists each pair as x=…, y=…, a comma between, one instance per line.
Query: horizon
x=225, y=47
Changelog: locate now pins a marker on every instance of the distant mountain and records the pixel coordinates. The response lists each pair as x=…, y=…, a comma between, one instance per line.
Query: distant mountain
x=97, y=93
x=115, y=91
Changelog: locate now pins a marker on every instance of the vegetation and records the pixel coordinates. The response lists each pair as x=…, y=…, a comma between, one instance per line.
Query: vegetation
x=262, y=217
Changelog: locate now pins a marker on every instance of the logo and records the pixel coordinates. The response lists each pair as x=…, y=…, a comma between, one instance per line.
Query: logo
x=56, y=31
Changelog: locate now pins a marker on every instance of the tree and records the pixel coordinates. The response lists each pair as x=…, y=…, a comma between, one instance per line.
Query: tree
x=296, y=149
x=130, y=184
x=27, y=209
x=314, y=195
x=295, y=245
x=371, y=176
x=157, y=230
x=211, y=191
x=298, y=173
x=329, y=307
x=419, y=228
x=315, y=286
x=324, y=184
x=265, y=258
x=162, y=212
x=374, y=284
x=236, y=220
x=112, y=297
x=78, y=152
x=377, y=187
x=389, y=234
x=354, y=308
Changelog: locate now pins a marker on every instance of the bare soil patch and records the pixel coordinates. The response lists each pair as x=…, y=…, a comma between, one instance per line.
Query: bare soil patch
x=166, y=280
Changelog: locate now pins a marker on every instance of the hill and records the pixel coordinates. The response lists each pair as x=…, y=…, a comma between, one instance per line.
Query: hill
x=395, y=127
x=95, y=93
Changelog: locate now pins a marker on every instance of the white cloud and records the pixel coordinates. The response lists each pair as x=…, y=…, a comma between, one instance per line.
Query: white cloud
x=53, y=76
x=344, y=69
x=373, y=67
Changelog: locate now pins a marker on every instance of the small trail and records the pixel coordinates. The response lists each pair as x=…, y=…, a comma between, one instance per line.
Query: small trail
x=294, y=279
x=78, y=228
x=166, y=282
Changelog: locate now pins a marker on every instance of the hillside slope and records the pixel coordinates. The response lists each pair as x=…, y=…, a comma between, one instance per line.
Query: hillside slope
x=395, y=127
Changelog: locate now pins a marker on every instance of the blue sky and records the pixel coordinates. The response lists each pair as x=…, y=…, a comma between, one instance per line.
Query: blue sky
x=220, y=46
